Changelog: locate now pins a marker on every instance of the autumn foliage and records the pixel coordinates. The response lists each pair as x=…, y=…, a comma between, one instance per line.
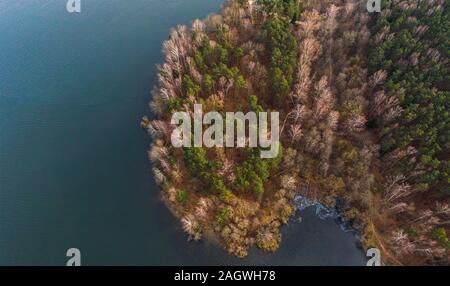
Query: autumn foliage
x=364, y=105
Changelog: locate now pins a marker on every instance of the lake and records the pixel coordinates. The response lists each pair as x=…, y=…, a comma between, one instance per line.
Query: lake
x=73, y=163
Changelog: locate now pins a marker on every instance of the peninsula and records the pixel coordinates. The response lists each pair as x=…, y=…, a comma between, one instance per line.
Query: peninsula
x=363, y=102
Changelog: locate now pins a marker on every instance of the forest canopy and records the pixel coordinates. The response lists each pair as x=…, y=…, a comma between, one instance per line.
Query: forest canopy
x=364, y=108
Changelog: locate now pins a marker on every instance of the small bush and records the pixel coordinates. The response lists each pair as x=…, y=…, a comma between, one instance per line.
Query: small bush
x=181, y=196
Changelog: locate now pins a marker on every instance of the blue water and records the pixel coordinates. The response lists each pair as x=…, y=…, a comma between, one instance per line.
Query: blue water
x=73, y=164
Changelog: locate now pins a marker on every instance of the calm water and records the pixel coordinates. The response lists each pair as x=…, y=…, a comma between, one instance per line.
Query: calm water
x=73, y=167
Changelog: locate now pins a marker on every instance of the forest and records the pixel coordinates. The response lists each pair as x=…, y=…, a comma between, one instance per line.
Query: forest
x=364, y=109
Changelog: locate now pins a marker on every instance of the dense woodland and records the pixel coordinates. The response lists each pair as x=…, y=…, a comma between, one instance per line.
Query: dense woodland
x=364, y=107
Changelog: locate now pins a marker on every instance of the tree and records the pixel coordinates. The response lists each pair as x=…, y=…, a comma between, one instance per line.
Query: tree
x=283, y=49
x=181, y=196
x=190, y=87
